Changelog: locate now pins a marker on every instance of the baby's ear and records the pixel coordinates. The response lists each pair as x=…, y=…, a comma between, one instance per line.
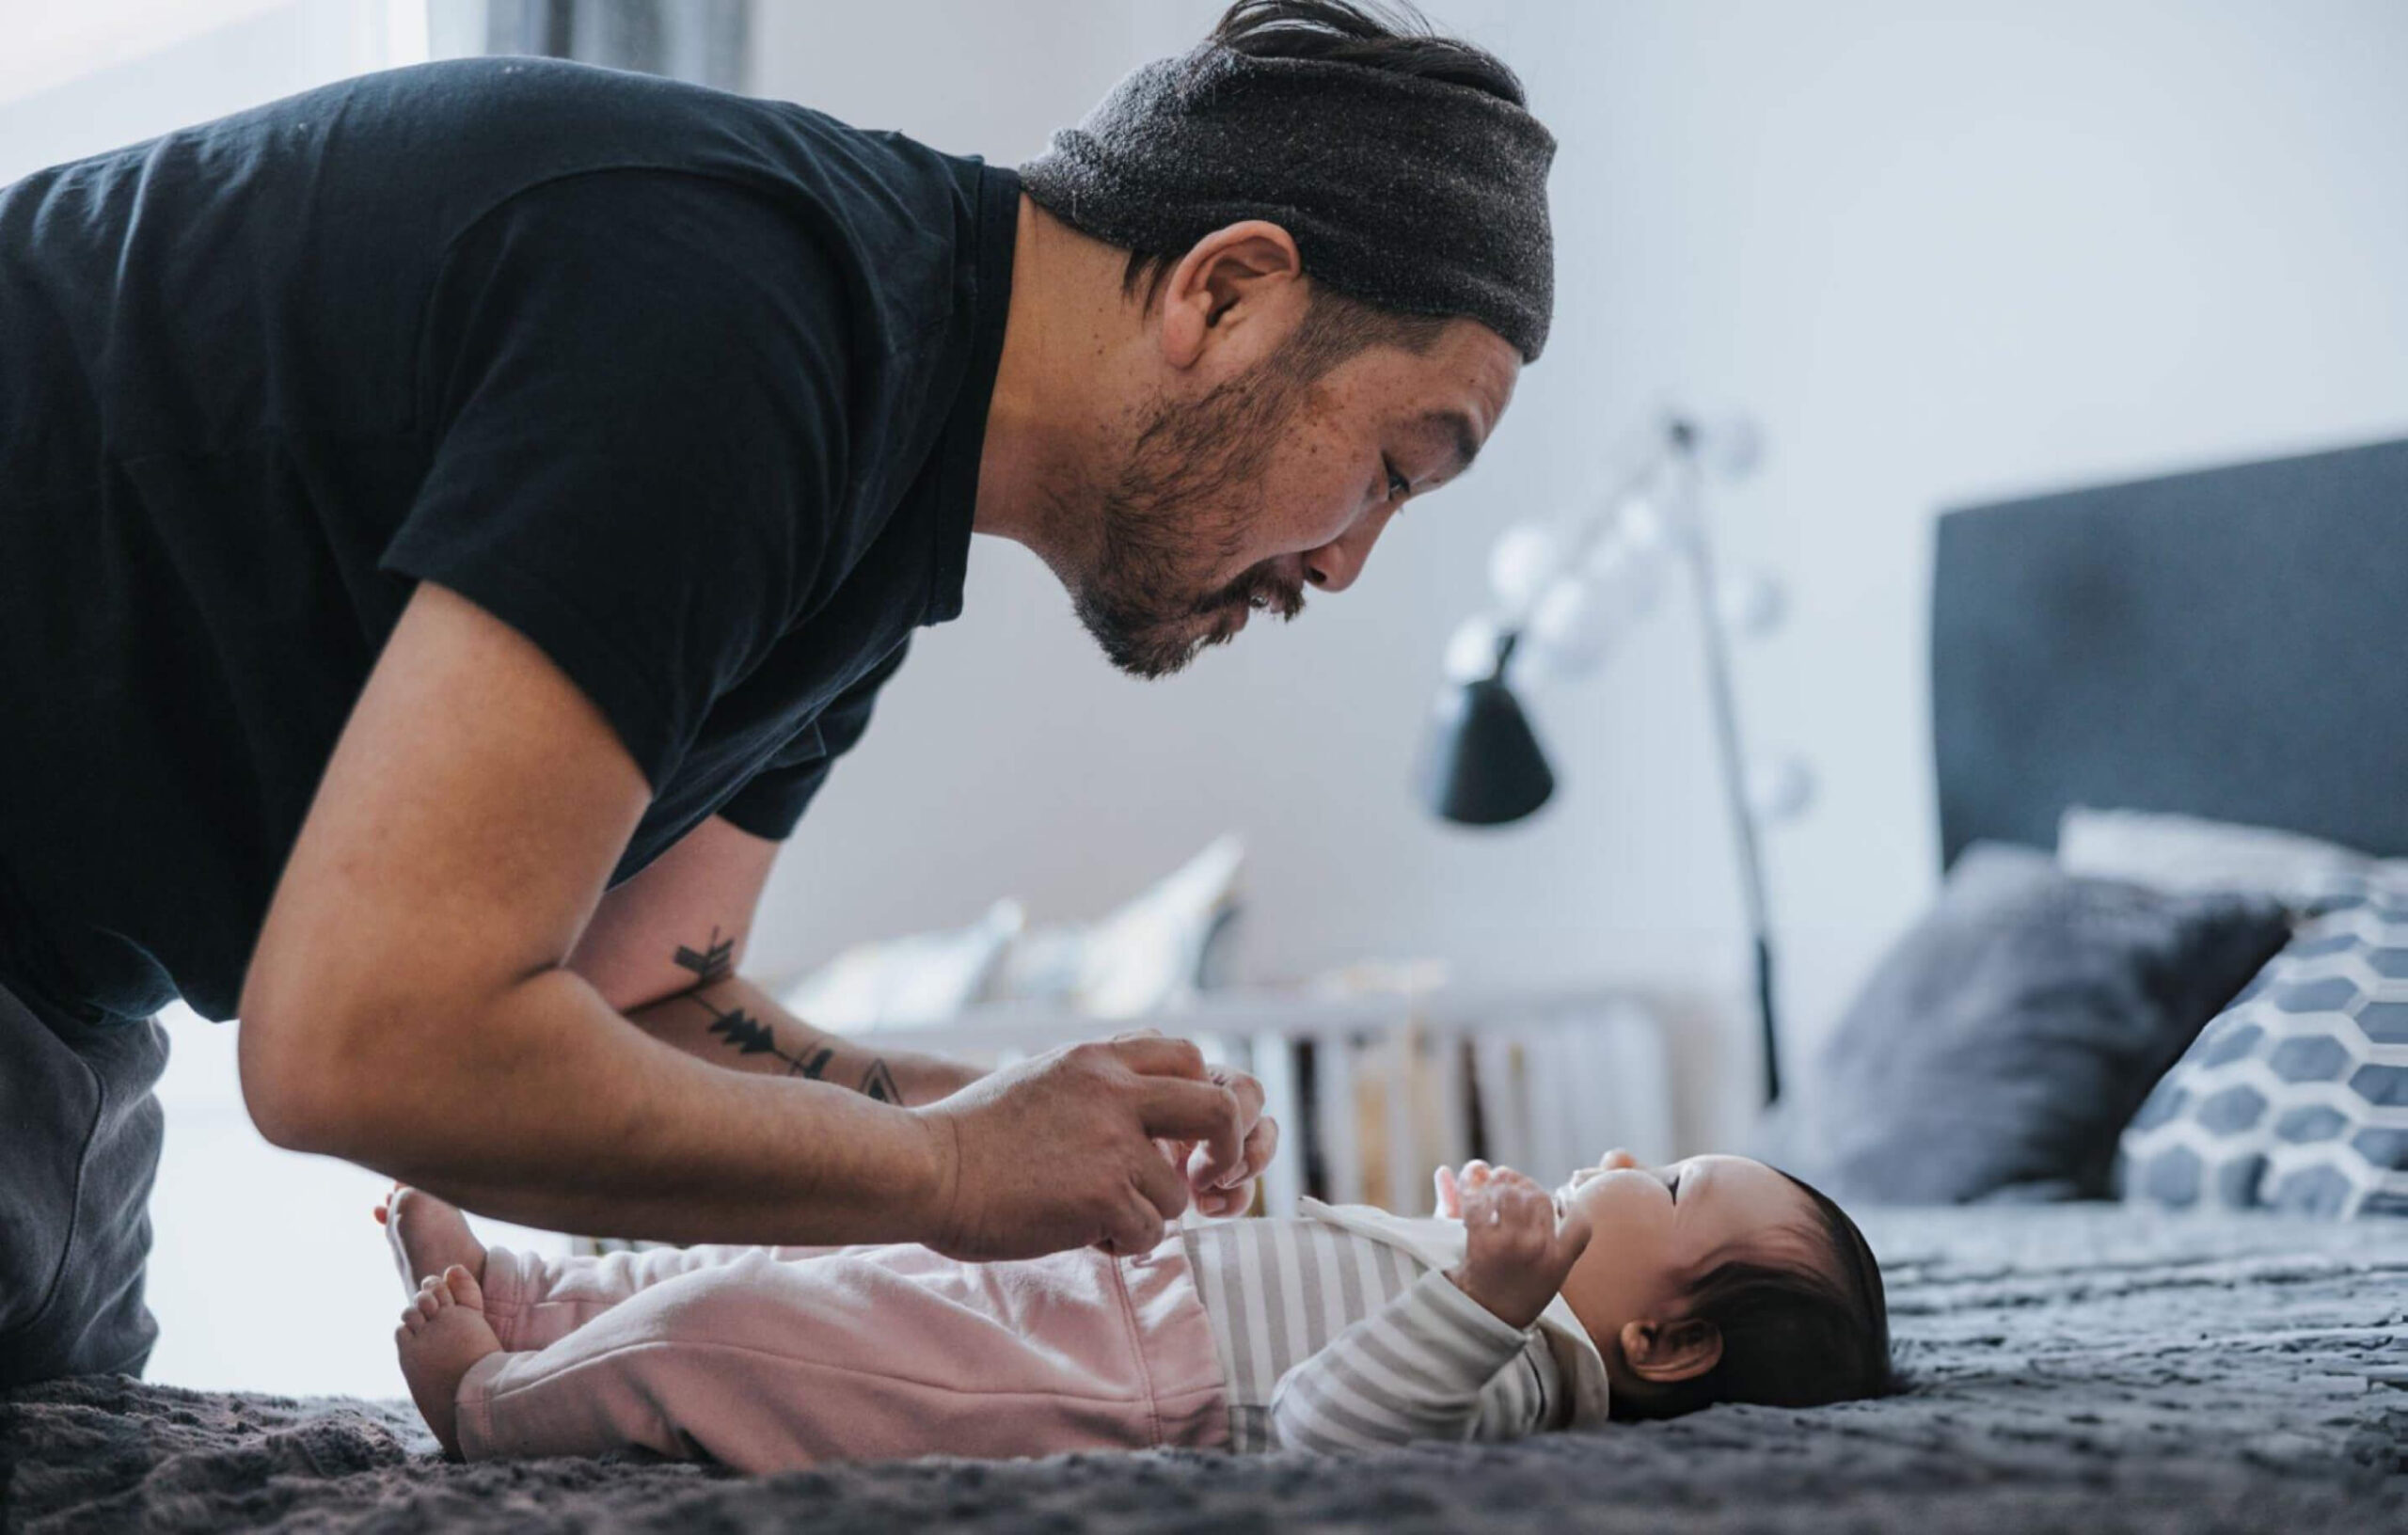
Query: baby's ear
x=1666, y=1352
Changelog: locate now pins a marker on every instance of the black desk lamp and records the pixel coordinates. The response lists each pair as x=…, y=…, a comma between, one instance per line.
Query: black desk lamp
x=1481, y=764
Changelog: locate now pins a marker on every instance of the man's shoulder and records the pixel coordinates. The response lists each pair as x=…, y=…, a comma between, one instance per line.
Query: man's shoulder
x=760, y=197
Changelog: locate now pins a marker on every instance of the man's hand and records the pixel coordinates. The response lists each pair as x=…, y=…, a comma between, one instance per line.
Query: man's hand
x=1229, y=1189
x=1516, y=1255
x=1059, y=1150
x=1219, y=1191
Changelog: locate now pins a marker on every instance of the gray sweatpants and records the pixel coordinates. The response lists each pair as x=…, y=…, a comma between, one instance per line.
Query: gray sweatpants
x=79, y=1143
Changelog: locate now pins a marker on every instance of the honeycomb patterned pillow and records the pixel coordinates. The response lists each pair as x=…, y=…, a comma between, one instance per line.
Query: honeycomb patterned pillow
x=2295, y=1097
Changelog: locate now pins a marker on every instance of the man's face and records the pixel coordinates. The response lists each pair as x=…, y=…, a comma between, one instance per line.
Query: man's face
x=1238, y=495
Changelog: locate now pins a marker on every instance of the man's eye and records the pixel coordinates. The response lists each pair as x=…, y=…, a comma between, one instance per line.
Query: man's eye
x=1398, y=486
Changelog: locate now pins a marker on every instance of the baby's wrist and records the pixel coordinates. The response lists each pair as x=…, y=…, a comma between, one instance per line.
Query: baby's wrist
x=1510, y=1309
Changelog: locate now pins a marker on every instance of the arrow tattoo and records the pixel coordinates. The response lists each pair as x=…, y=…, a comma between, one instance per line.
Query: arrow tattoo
x=749, y=1035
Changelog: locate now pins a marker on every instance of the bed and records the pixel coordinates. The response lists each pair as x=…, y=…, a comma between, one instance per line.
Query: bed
x=2173, y=645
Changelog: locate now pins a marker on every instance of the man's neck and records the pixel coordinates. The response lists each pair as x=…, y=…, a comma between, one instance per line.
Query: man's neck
x=1050, y=418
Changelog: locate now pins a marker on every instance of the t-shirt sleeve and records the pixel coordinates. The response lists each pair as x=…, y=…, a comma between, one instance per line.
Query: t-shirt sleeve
x=637, y=382
x=774, y=799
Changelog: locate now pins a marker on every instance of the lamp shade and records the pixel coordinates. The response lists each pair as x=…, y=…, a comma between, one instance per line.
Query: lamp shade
x=1481, y=764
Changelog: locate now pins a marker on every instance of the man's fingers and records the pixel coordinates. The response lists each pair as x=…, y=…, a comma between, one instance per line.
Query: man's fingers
x=1243, y=1084
x=1261, y=1145
x=1247, y=1155
x=1244, y=1158
x=1132, y=1227
x=1233, y=1192
x=1219, y=1203
x=1153, y=1055
x=1193, y=1111
x=1163, y=1185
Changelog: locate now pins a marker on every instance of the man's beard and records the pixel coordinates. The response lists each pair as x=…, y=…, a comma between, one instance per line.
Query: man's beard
x=1184, y=502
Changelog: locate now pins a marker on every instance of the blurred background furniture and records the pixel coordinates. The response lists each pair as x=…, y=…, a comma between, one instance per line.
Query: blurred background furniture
x=1373, y=1091
x=702, y=41
x=2190, y=687
x=2228, y=644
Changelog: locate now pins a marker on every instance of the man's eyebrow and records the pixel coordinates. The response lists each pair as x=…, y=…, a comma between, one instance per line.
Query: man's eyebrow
x=1456, y=429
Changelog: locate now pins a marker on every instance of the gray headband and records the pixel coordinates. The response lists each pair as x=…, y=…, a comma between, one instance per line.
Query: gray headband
x=1407, y=192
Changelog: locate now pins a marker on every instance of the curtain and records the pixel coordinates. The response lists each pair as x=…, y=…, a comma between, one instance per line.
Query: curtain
x=701, y=40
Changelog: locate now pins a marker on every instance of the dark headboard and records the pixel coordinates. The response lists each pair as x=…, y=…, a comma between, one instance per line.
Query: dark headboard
x=2231, y=644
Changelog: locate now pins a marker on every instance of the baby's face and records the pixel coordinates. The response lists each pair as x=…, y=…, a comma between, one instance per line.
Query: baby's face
x=1657, y=1230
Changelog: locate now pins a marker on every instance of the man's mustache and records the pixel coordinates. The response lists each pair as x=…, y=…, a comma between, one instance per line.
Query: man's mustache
x=1260, y=587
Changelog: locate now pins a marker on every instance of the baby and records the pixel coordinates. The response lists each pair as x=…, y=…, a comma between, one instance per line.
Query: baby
x=1630, y=1291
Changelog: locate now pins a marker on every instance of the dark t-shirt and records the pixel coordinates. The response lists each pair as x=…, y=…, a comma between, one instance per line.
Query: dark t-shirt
x=688, y=388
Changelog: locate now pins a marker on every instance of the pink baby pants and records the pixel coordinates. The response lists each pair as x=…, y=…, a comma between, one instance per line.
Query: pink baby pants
x=771, y=1358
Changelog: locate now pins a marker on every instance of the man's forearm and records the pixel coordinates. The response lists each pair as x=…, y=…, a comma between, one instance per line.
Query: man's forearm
x=546, y=1108
x=729, y=1021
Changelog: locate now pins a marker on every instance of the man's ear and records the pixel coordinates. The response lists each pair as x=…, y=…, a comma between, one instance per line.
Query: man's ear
x=1224, y=282
x=1666, y=1352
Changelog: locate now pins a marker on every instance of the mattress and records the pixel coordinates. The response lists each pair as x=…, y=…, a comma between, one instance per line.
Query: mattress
x=2075, y=1367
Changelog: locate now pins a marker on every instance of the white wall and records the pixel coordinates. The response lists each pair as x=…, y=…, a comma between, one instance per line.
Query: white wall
x=1941, y=252
x=78, y=80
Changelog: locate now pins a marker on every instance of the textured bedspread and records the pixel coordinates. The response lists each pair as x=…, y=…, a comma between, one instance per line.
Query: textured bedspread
x=2082, y=1368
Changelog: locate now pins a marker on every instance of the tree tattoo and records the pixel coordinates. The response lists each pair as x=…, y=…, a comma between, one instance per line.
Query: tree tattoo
x=716, y=962
x=749, y=1035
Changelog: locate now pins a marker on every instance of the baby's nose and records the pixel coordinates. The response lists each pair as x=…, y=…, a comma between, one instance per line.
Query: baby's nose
x=1616, y=1160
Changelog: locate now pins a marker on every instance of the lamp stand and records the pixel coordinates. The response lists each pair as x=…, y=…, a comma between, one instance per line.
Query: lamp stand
x=1698, y=554
x=1483, y=766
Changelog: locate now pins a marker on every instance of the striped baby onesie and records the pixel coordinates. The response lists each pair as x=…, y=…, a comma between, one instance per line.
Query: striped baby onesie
x=1330, y=1339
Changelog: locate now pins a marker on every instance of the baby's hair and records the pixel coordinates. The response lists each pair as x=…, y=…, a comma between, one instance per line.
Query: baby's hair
x=1791, y=1337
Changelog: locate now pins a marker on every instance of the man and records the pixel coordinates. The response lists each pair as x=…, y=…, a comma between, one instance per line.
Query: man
x=451, y=521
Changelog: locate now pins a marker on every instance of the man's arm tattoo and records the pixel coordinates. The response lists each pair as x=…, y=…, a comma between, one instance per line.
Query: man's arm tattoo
x=878, y=1082
x=749, y=1035
x=716, y=962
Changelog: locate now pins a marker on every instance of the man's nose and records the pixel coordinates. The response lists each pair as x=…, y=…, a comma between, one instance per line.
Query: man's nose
x=1335, y=566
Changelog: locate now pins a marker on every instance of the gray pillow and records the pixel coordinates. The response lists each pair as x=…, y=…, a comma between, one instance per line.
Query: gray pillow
x=2296, y=1097
x=2002, y=1045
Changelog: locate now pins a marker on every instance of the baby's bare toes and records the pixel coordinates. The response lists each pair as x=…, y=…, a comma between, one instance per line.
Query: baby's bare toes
x=460, y=1287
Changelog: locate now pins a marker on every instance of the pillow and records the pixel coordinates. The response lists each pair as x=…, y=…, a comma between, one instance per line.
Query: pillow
x=1152, y=954
x=2185, y=854
x=2002, y=1045
x=2296, y=1097
x=919, y=979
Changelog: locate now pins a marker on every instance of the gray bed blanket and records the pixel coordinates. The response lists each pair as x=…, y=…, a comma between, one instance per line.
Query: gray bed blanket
x=2082, y=1368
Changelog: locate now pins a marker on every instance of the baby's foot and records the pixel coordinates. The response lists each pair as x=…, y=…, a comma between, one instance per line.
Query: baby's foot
x=428, y=1236
x=442, y=1332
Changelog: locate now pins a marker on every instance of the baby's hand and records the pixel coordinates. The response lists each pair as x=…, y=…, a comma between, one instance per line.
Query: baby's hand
x=1447, y=1190
x=1446, y=1187
x=1515, y=1255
